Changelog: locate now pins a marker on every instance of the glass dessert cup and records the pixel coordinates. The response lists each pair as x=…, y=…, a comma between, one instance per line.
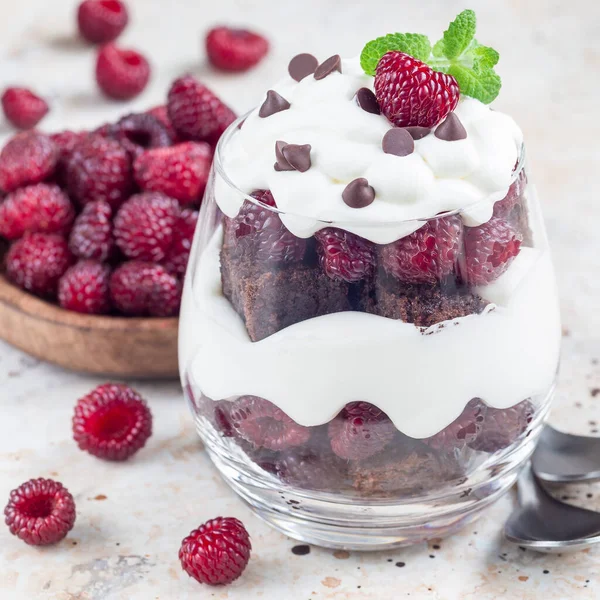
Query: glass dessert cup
x=354, y=401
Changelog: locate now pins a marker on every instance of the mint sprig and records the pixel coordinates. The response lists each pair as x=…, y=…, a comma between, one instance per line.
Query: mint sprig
x=415, y=44
x=458, y=53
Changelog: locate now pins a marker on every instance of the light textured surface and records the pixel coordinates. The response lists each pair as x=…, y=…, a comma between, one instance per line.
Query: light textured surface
x=125, y=546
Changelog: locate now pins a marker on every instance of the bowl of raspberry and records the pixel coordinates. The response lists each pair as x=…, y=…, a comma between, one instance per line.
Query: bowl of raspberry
x=369, y=332
x=95, y=233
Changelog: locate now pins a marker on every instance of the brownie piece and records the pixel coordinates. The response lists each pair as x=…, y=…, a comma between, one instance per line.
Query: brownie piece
x=407, y=466
x=421, y=304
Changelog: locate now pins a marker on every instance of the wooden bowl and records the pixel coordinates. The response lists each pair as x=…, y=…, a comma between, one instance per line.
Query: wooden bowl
x=112, y=346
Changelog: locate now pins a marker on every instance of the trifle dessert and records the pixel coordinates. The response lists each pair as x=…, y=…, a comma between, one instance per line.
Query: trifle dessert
x=370, y=330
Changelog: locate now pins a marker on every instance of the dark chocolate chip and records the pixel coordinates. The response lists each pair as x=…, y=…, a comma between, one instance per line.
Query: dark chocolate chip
x=418, y=133
x=292, y=157
x=297, y=156
x=301, y=550
x=327, y=67
x=398, y=142
x=302, y=65
x=366, y=99
x=451, y=130
x=358, y=193
x=274, y=103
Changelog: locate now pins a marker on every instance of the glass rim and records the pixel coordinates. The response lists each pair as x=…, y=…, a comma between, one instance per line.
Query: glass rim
x=235, y=126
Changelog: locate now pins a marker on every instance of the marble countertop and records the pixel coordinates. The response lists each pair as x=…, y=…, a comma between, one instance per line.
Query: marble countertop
x=132, y=517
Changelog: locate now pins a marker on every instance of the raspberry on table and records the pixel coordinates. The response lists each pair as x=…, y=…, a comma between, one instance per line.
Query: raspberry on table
x=344, y=255
x=41, y=512
x=101, y=21
x=145, y=224
x=179, y=253
x=217, y=552
x=411, y=94
x=23, y=108
x=180, y=172
x=99, y=169
x=360, y=430
x=37, y=261
x=121, y=74
x=263, y=424
x=29, y=157
x=428, y=254
x=143, y=289
x=162, y=114
x=112, y=422
x=502, y=427
x=67, y=140
x=36, y=208
x=196, y=113
x=140, y=131
x=463, y=430
x=259, y=233
x=84, y=288
x=489, y=250
x=235, y=49
x=91, y=236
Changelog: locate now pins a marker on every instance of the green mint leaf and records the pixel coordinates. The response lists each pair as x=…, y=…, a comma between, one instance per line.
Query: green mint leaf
x=414, y=44
x=439, y=49
x=459, y=34
x=484, y=58
x=483, y=85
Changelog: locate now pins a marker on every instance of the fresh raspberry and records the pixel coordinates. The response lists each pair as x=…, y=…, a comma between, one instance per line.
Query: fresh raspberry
x=263, y=424
x=40, y=512
x=162, y=114
x=360, y=430
x=35, y=208
x=67, y=140
x=235, y=49
x=139, y=132
x=121, y=74
x=101, y=21
x=140, y=289
x=428, y=254
x=91, y=236
x=503, y=208
x=217, y=552
x=462, y=431
x=29, y=157
x=37, y=261
x=145, y=225
x=345, y=256
x=23, y=108
x=180, y=172
x=112, y=422
x=258, y=233
x=84, y=288
x=489, y=250
x=179, y=252
x=412, y=94
x=196, y=113
x=502, y=427
x=99, y=169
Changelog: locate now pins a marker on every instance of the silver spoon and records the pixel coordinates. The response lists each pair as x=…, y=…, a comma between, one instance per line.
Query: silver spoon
x=545, y=524
x=566, y=458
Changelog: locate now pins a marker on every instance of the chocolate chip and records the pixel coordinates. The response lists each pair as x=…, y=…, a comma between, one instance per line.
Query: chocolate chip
x=398, y=141
x=274, y=103
x=451, y=130
x=366, y=99
x=327, y=67
x=301, y=550
x=358, y=193
x=292, y=157
x=302, y=66
x=418, y=133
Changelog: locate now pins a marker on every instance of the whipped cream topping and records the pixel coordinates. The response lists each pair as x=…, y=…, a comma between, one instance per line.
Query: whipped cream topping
x=346, y=143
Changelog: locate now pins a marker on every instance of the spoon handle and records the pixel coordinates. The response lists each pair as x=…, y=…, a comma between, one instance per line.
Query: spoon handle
x=527, y=489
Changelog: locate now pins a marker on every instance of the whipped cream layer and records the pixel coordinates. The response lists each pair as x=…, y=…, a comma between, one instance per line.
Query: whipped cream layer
x=469, y=174
x=423, y=382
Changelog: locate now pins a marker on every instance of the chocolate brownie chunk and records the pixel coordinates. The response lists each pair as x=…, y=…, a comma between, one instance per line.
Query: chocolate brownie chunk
x=406, y=467
x=421, y=304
